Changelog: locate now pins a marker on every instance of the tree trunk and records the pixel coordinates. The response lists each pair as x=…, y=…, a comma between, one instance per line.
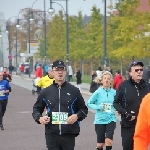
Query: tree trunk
x=75, y=66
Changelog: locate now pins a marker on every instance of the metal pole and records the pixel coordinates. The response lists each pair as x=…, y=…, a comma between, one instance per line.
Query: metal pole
x=105, y=40
x=2, y=52
x=1, y=58
x=16, y=52
x=44, y=35
x=29, y=46
x=67, y=43
x=10, y=59
x=44, y=32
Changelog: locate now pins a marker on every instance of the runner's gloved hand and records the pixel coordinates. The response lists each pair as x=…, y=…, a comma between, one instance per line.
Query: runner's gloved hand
x=129, y=115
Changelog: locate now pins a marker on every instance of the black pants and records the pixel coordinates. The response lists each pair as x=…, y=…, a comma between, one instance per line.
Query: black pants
x=60, y=142
x=3, y=104
x=127, y=138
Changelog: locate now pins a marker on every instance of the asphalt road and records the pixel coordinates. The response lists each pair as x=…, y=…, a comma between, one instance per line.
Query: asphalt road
x=22, y=133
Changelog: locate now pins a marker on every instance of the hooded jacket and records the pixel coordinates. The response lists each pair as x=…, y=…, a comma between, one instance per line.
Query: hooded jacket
x=128, y=98
x=117, y=80
x=142, y=130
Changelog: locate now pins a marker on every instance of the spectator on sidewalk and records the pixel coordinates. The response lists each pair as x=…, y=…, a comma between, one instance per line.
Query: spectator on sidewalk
x=117, y=80
x=70, y=73
x=110, y=69
x=22, y=70
x=46, y=68
x=4, y=93
x=36, y=64
x=78, y=76
x=38, y=72
x=105, y=119
x=146, y=74
x=10, y=68
x=127, y=75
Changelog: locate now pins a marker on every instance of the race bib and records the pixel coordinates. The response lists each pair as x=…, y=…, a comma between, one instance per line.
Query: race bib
x=106, y=107
x=59, y=117
x=1, y=93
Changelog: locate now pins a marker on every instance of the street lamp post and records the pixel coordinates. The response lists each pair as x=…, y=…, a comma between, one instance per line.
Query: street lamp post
x=67, y=34
x=1, y=50
x=16, y=52
x=44, y=22
x=105, y=39
x=29, y=48
x=8, y=29
x=44, y=33
x=17, y=26
x=67, y=42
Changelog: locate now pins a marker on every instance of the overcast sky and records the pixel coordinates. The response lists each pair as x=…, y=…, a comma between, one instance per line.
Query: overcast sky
x=12, y=7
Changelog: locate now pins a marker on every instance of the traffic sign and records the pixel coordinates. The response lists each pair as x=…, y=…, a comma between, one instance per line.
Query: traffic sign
x=9, y=56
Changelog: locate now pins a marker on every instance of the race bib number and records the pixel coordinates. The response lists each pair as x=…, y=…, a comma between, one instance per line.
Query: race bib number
x=1, y=93
x=106, y=107
x=59, y=117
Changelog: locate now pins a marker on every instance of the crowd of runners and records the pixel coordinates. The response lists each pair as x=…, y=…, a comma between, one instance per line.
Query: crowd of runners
x=65, y=108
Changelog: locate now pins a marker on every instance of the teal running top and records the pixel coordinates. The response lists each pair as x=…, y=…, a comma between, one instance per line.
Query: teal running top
x=102, y=101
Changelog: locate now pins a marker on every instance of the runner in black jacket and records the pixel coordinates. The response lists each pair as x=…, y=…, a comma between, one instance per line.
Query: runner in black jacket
x=65, y=108
x=127, y=102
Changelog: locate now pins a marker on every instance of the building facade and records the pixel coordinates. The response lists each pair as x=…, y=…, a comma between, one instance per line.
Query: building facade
x=4, y=44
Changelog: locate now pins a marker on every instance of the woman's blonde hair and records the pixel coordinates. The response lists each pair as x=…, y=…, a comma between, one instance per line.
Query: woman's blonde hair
x=105, y=73
x=98, y=79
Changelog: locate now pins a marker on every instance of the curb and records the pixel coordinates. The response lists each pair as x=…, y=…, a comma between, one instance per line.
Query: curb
x=86, y=93
x=23, y=78
x=30, y=79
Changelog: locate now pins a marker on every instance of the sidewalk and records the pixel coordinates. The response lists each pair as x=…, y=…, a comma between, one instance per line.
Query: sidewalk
x=84, y=86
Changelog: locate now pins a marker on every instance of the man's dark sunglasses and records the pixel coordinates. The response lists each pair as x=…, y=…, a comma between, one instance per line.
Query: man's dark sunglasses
x=136, y=70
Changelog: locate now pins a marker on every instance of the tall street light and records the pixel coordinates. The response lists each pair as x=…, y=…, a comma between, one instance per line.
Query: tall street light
x=44, y=22
x=17, y=26
x=5, y=23
x=105, y=39
x=51, y=10
x=8, y=31
x=1, y=50
x=16, y=52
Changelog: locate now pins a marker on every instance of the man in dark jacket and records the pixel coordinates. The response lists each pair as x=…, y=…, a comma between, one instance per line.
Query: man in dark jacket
x=146, y=74
x=65, y=108
x=127, y=102
x=10, y=68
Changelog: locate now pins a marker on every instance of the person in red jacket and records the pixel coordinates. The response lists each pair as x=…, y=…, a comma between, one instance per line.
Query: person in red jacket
x=117, y=80
x=22, y=69
x=38, y=73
